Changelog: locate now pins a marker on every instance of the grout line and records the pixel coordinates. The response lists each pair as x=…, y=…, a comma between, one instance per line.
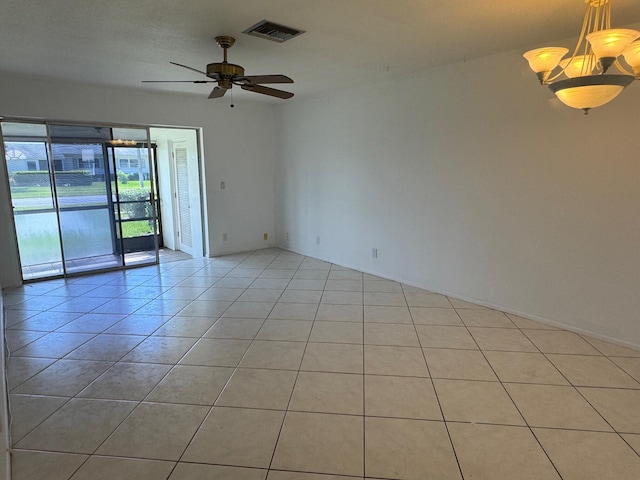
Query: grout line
x=569, y=383
x=513, y=401
x=208, y=414
x=76, y=396
x=238, y=265
x=284, y=417
x=578, y=391
x=433, y=386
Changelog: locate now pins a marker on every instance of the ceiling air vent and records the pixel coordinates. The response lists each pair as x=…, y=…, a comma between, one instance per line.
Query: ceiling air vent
x=273, y=31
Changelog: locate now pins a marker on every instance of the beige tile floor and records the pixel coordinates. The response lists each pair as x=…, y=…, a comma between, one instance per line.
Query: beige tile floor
x=271, y=365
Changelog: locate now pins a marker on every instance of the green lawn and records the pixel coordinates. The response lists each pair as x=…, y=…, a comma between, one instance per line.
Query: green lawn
x=136, y=229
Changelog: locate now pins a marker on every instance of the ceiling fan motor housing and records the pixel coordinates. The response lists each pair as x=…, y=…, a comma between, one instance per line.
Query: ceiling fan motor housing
x=224, y=70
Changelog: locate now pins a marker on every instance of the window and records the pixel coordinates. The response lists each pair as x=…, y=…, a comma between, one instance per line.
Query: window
x=15, y=154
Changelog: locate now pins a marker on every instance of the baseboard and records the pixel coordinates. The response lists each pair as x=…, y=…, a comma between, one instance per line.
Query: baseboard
x=5, y=442
x=528, y=316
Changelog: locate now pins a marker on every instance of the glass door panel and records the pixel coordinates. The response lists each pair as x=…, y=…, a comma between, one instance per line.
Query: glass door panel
x=134, y=194
x=82, y=186
x=34, y=207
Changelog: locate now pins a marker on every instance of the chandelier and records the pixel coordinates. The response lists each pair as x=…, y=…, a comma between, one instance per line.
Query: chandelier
x=585, y=80
x=119, y=143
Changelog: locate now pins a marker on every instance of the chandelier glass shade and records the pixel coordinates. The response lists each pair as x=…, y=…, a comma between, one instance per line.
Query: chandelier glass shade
x=574, y=67
x=586, y=79
x=632, y=56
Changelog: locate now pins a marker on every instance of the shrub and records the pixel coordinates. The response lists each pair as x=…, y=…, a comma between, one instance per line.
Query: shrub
x=123, y=178
x=140, y=209
x=41, y=177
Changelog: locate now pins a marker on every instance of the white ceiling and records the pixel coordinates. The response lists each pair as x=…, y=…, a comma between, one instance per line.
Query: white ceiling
x=122, y=42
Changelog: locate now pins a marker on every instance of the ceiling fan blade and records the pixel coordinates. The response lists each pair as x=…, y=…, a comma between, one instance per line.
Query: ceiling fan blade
x=259, y=79
x=267, y=91
x=178, y=81
x=188, y=68
x=217, y=92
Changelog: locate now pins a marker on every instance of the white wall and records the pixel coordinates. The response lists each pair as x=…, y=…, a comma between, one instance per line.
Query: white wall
x=239, y=145
x=469, y=182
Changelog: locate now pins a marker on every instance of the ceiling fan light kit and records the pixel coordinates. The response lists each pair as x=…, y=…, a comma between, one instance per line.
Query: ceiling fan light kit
x=226, y=75
x=585, y=79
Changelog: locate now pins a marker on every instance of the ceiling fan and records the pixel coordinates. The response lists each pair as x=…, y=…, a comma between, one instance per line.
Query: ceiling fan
x=226, y=75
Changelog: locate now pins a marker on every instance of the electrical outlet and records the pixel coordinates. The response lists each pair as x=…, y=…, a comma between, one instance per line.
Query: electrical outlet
x=374, y=253
x=224, y=237
x=317, y=240
x=286, y=239
x=265, y=236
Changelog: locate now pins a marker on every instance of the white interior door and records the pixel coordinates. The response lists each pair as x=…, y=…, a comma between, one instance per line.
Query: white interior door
x=182, y=211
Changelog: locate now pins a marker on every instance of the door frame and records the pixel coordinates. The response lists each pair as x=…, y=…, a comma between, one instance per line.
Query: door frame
x=163, y=136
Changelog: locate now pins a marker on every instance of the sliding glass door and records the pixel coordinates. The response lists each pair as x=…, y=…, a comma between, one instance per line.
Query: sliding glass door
x=26, y=149
x=84, y=197
x=85, y=207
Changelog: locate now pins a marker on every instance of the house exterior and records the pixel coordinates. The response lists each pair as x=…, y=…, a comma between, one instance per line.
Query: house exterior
x=89, y=158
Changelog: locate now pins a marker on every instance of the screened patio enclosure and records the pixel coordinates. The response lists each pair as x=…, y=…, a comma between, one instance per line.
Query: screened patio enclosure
x=84, y=197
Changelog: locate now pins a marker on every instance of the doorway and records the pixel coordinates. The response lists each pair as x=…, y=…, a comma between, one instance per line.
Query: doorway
x=179, y=180
x=84, y=197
